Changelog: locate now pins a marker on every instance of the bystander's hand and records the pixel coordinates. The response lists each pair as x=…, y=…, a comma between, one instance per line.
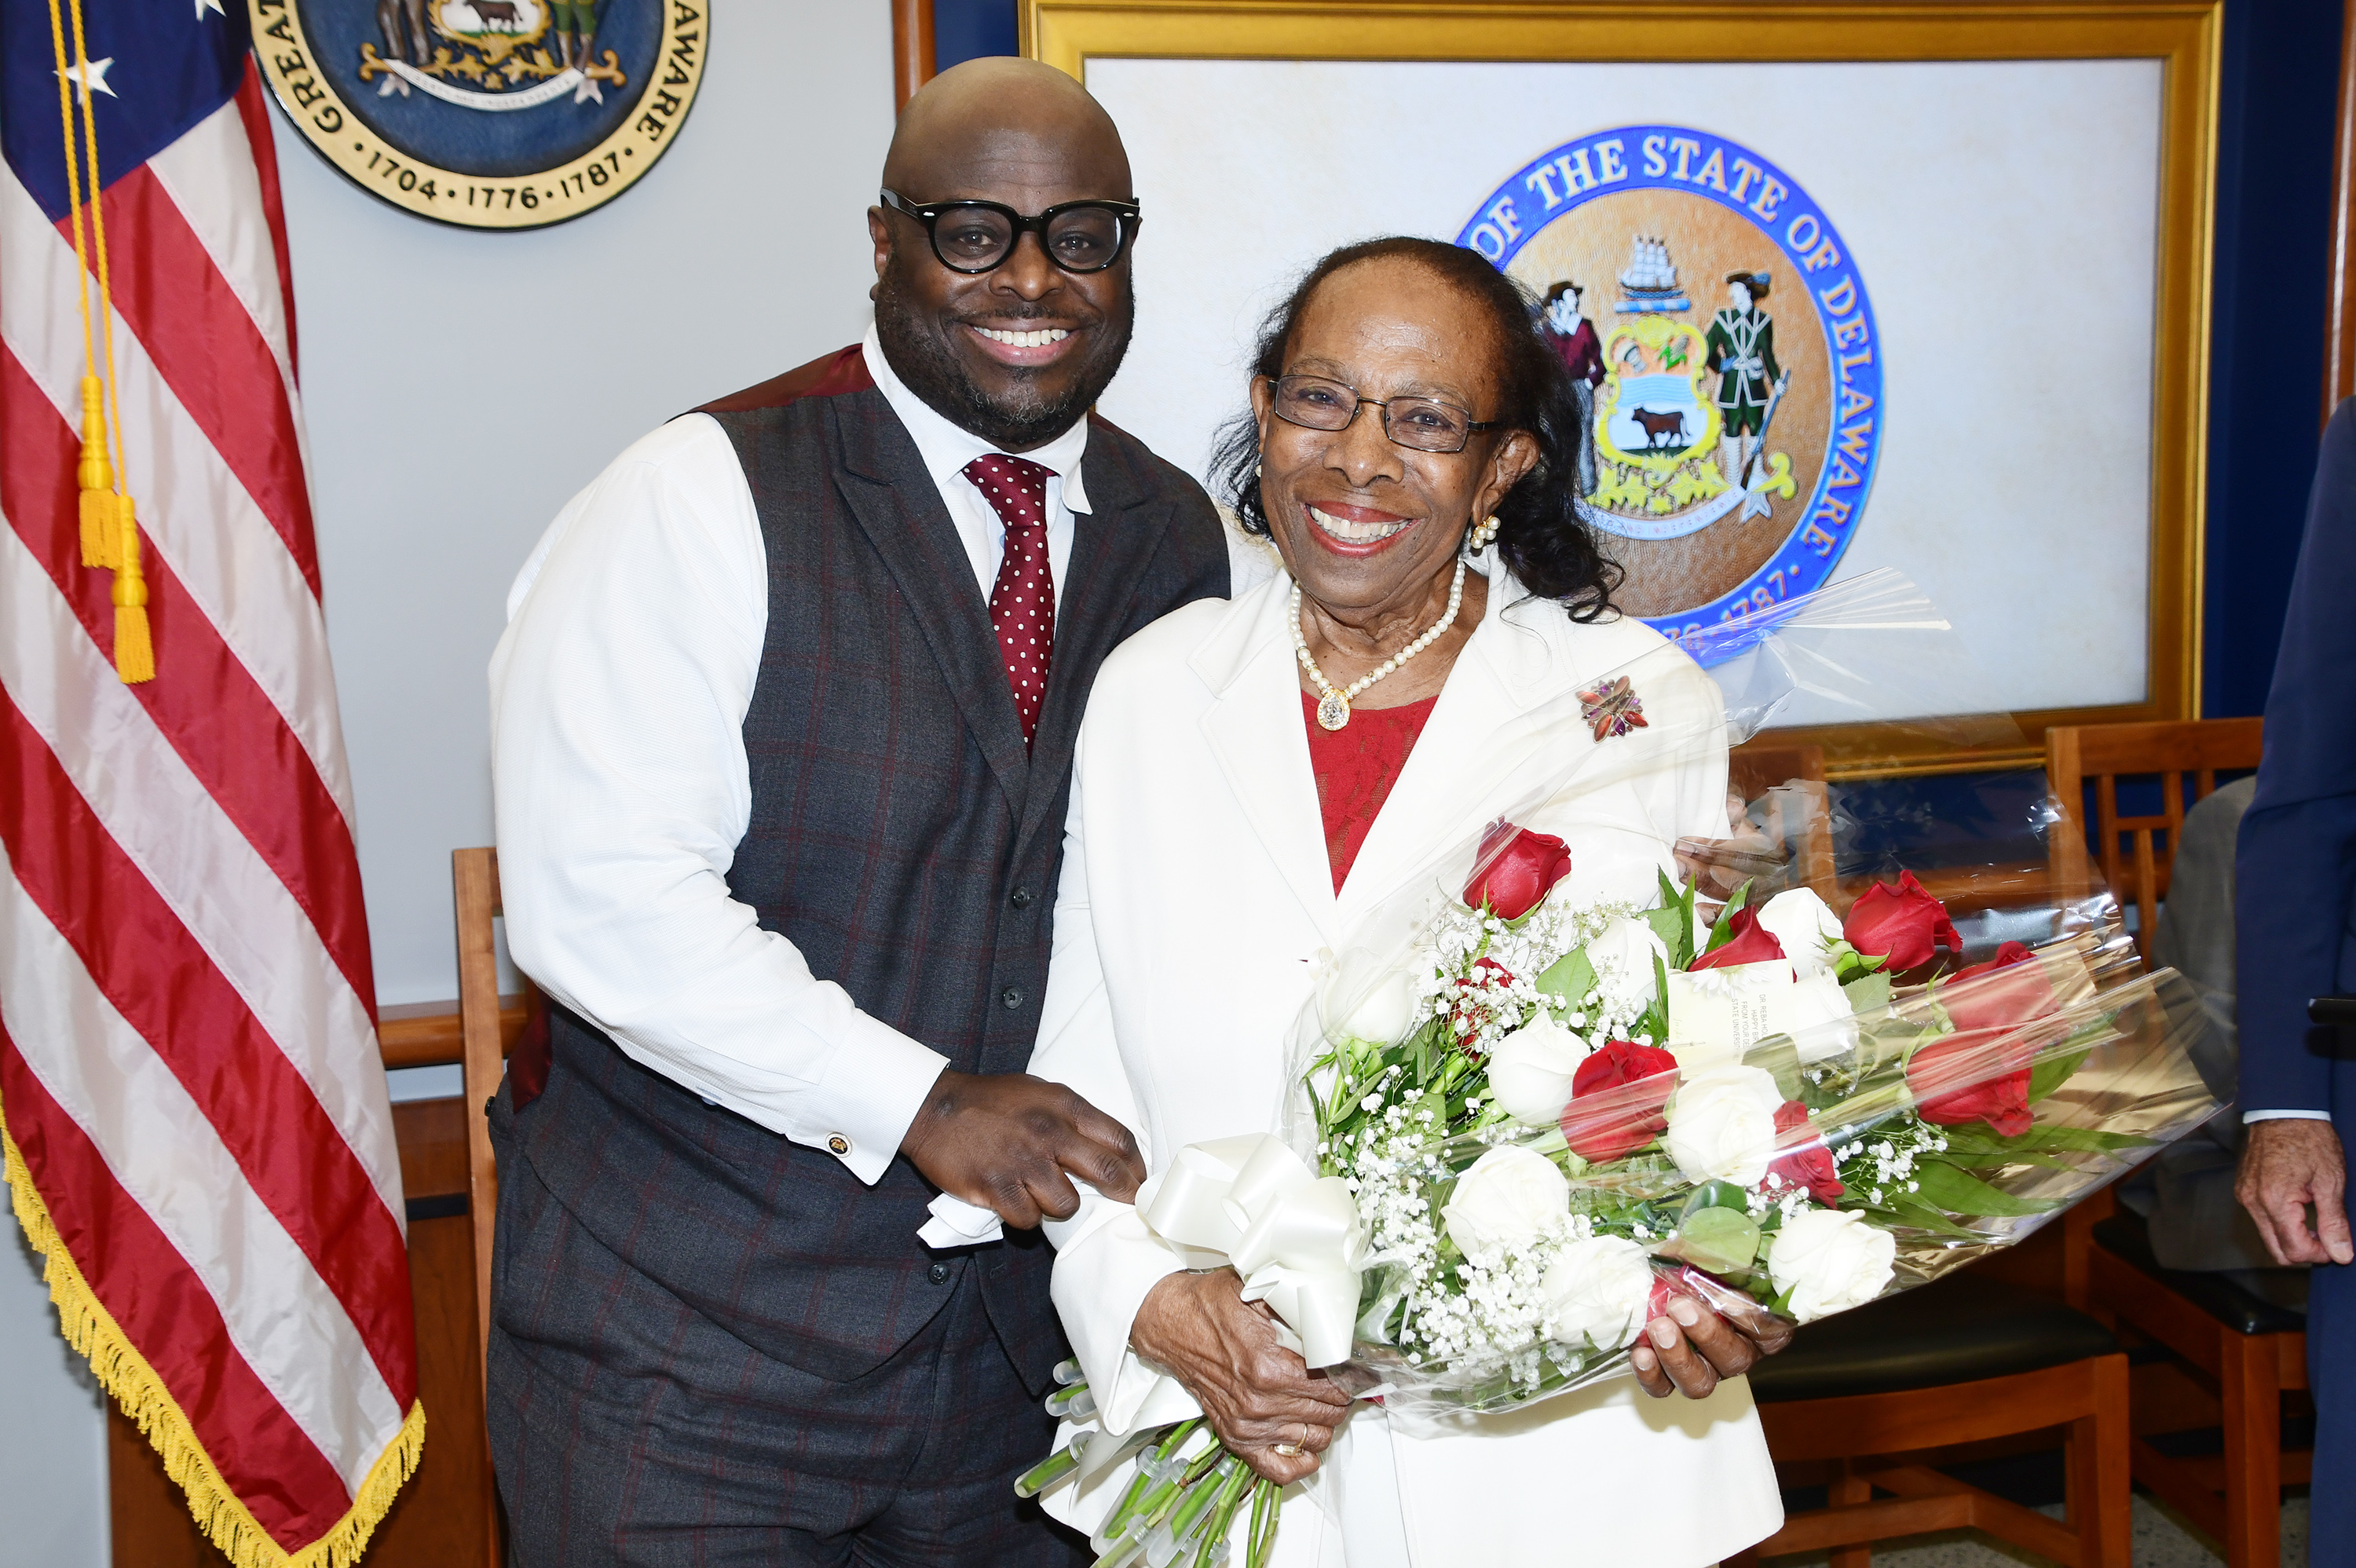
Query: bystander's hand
x=1267, y=1406
x=1689, y=1348
x=2289, y=1163
x=1012, y=1143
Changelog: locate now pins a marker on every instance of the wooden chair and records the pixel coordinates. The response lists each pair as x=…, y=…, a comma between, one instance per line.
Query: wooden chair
x=474, y=890
x=1966, y=1360
x=2245, y=1351
x=2187, y=757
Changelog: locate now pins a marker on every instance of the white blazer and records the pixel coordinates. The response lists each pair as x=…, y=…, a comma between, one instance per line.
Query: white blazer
x=1196, y=917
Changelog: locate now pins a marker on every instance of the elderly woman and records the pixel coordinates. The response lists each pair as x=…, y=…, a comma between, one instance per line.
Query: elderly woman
x=1254, y=776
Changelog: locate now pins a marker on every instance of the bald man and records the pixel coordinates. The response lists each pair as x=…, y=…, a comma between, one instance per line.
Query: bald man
x=782, y=735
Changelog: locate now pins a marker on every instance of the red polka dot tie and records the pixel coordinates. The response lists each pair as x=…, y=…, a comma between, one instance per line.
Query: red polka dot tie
x=1023, y=604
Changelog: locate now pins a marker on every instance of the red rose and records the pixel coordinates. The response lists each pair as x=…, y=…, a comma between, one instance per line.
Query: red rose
x=1981, y=1075
x=1513, y=868
x=1905, y=924
x=2020, y=994
x=1618, y=1100
x=1748, y=943
x=1980, y=1072
x=1803, y=1161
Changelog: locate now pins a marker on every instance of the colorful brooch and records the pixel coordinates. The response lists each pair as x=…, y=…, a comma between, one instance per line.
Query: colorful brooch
x=1613, y=710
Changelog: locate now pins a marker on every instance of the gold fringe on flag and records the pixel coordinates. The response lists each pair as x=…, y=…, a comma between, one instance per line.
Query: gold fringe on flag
x=125, y=1373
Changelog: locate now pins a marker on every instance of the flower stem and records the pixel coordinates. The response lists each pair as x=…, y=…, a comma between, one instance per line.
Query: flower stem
x=1048, y=1471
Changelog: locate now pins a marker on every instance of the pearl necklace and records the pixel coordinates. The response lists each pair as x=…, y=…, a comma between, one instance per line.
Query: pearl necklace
x=1333, y=707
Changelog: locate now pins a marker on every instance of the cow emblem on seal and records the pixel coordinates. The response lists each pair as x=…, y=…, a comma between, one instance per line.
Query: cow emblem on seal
x=1722, y=341
x=492, y=113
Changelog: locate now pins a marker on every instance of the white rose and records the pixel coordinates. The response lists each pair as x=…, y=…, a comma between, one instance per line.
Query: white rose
x=1597, y=1289
x=1530, y=1070
x=1830, y=1260
x=1722, y=1125
x=1821, y=1014
x=1382, y=1014
x=1623, y=955
x=1804, y=925
x=1510, y=1198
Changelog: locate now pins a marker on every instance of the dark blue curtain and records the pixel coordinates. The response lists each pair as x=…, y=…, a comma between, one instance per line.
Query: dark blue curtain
x=2281, y=71
x=967, y=29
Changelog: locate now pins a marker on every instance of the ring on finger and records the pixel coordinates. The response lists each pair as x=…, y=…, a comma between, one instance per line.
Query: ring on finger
x=1290, y=1449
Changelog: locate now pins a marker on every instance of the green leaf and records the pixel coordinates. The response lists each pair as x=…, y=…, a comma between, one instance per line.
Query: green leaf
x=1673, y=926
x=1719, y=1240
x=2052, y=1073
x=1978, y=1145
x=1780, y=1056
x=1958, y=1191
x=1911, y=1209
x=1848, y=963
x=1721, y=931
x=2089, y=1140
x=1867, y=993
x=1714, y=1195
x=1570, y=978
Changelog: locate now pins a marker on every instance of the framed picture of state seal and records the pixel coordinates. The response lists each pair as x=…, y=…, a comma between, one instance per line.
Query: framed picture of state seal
x=1847, y=286
x=486, y=113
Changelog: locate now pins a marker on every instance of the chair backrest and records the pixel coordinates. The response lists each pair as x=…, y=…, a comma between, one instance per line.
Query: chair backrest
x=1792, y=778
x=2186, y=756
x=474, y=888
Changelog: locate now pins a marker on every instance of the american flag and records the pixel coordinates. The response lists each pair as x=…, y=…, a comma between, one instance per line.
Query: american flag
x=198, y=1132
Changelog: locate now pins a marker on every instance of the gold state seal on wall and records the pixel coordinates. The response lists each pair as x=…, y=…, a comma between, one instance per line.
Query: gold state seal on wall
x=1720, y=333
x=493, y=114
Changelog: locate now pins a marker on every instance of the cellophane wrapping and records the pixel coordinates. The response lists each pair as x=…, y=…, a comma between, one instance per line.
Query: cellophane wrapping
x=1933, y=1048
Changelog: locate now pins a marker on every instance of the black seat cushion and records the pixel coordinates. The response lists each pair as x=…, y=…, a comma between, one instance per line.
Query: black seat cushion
x=1958, y=1330
x=2123, y=1235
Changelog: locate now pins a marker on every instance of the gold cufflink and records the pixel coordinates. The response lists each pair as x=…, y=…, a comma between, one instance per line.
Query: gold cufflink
x=839, y=1144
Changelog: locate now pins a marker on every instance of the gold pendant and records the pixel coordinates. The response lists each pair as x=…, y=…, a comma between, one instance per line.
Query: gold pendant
x=1334, y=710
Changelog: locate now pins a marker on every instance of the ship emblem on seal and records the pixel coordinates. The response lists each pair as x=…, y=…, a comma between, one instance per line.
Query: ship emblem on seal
x=1722, y=341
x=491, y=113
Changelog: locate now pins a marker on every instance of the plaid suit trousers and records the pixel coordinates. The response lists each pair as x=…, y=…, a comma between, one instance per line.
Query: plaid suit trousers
x=629, y=1428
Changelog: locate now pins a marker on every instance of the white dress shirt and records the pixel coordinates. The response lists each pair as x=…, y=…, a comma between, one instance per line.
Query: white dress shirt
x=618, y=696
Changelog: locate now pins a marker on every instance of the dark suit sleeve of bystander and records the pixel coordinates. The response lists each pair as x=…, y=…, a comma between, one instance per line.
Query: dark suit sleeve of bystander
x=2295, y=864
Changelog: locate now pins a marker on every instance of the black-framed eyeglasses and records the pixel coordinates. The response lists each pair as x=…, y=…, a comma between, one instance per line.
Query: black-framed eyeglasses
x=973, y=237
x=1423, y=424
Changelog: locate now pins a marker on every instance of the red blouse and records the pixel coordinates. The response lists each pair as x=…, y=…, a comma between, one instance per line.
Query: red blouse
x=1355, y=767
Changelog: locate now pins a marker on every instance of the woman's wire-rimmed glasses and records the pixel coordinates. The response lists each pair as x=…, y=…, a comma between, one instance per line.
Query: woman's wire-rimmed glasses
x=974, y=237
x=1421, y=424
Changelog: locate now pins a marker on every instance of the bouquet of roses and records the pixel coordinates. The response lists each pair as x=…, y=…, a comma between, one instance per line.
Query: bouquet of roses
x=1582, y=1108
x=1528, y=1110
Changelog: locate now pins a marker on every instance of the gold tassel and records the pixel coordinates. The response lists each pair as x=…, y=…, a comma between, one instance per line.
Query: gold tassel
x=134, y=651
x=96, y=477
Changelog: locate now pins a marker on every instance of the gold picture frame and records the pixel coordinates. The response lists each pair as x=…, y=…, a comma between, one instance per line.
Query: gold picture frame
x=2183, y=34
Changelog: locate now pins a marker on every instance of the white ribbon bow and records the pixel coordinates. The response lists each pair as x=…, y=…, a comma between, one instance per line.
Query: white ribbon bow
x=1295, y=1236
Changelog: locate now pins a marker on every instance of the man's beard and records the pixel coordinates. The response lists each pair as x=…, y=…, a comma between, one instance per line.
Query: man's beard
x=1017, y=421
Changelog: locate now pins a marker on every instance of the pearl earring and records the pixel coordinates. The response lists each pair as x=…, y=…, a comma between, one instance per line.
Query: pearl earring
x=1477, y=537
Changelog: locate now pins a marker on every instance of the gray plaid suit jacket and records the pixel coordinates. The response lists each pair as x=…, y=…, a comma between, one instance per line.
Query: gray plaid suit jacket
x=905, y=841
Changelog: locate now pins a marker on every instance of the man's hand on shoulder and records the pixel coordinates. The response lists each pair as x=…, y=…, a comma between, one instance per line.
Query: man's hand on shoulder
x=1012, y=1143
x=2289, y=1163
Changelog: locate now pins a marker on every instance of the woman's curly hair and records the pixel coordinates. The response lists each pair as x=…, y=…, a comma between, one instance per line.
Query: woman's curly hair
x=1539, y=533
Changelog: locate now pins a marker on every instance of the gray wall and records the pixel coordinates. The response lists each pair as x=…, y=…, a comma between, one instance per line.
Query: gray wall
x=444, y=436
x=460, y=387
